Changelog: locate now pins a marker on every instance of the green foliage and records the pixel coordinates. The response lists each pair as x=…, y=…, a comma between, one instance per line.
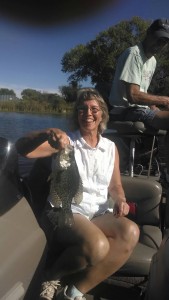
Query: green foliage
x=160, y=82
x=4, y=91
x=69, y=92
x=36, y=102
x=33, y=106
x=29, y=94
x=73, y=60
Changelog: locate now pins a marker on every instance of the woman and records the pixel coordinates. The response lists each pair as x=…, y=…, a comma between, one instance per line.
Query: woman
x=100, y=241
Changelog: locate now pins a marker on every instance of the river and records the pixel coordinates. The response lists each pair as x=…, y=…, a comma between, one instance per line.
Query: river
x=15, y=125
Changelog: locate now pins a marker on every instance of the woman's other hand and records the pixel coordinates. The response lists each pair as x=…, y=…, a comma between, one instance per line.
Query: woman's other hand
x=121, y=208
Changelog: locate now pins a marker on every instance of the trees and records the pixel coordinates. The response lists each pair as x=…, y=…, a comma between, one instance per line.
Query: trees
x=35, y=101
x=43, y=102
x=160, y=82
x=97, y=59
x=30, y=94
x=6, y=94
x=5, y=91
x=69, y=91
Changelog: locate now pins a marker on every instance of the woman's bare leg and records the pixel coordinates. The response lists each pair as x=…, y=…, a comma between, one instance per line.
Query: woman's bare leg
x=84, y=244
x=107, y=242
x=123, y=236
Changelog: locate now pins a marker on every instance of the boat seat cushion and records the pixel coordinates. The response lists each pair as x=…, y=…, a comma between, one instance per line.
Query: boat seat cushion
x=129, y=127
x=159, y=272
x=147, y=196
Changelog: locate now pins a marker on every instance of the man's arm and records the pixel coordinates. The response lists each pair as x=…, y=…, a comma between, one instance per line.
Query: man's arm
x=135, y=96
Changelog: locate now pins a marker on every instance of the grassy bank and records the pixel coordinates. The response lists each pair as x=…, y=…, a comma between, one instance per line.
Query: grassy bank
x=32, y=106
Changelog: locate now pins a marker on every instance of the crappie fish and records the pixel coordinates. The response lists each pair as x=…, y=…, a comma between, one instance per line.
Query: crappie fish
x=66, y=185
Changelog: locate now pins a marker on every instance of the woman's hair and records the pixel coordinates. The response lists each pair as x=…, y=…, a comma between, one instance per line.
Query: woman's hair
x=84, y=94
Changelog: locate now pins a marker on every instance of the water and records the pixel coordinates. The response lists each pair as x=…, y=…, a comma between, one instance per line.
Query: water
x=15, y=125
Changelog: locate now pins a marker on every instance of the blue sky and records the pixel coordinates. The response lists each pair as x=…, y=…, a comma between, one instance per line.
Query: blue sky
x=30, y=57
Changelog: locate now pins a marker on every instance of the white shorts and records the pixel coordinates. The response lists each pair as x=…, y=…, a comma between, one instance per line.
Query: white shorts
x=77, y=209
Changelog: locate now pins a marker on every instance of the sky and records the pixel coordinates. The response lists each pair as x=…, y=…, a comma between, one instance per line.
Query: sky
x=30, y=57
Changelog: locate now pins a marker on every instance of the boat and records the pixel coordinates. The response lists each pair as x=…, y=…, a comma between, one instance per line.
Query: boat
x=22, y=241
x=23, y=246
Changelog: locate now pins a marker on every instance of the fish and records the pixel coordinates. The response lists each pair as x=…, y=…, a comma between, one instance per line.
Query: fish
x=65, y=186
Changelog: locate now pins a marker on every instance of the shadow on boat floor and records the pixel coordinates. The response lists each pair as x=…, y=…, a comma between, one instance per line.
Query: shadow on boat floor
x=107, y=291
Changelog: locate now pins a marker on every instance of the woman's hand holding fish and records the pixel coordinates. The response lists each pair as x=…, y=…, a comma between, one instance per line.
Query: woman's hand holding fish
x=58, y=139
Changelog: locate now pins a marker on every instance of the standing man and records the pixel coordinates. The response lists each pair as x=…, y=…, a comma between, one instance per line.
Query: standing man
x=134, y=72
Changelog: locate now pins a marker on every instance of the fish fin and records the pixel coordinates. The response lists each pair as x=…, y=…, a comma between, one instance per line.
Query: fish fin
x=79, y=194
x=78, y=198
x=55, y=199
x=66, y=219
x=54, y=216
x=49, y=178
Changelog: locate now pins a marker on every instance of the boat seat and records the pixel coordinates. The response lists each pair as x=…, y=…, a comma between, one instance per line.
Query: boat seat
x=146, y=194
x=166, y=216
x=133, y=131
x=158, y=289
x=159, y=272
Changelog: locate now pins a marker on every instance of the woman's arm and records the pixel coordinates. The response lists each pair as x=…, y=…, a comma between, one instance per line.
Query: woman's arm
x=37, y=143
x=121, y=208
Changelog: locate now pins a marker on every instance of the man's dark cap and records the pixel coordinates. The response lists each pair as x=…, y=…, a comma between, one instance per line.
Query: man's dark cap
x=160, y=28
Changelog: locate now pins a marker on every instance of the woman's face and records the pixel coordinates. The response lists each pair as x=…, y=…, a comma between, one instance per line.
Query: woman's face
x=89, y=116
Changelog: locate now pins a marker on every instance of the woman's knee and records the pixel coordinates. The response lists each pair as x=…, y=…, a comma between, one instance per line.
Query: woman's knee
x=133, y=233
x=129, y=233
x=97, y=249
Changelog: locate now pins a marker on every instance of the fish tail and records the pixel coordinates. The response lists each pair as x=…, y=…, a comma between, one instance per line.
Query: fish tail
x=66, y=219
